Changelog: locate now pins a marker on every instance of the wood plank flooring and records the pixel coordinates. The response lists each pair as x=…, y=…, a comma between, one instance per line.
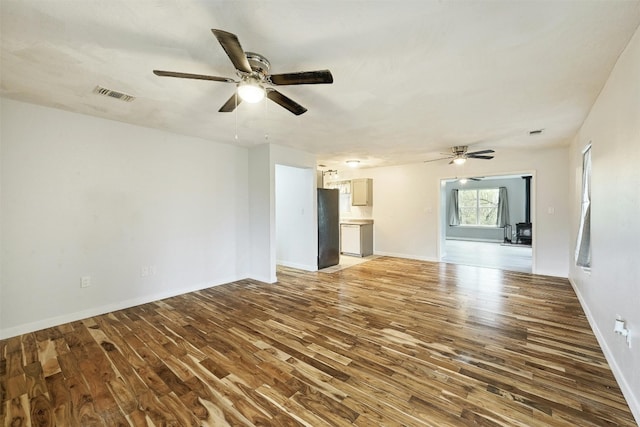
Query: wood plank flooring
x=389, y=342
x=489, y=254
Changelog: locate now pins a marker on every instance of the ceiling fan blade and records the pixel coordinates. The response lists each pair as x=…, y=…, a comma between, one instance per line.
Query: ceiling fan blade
x=231, y=103
x=436, y=160
x=479, y=157
x=285, y=102
x=192, y=76
x=302, y=78
x=481, y=152
x=231, y=46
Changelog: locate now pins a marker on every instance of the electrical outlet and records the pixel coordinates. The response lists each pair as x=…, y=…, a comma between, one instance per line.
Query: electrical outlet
x=152, y=270
x=144, y=271
x=85, y=281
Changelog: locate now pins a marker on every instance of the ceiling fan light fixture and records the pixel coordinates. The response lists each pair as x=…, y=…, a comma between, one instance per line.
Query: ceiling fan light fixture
x=353, y=163
x=251, y=91
x=459, y=160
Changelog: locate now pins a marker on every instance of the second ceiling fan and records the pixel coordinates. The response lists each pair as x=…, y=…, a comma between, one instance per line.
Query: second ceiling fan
x=254, y=81
x=460, y=154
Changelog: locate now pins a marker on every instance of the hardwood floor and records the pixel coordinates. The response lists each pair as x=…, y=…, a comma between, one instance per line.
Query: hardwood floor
x=489, y=254
x=389, y=342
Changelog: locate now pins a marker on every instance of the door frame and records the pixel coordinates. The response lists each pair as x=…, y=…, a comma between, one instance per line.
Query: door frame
x=442, y=214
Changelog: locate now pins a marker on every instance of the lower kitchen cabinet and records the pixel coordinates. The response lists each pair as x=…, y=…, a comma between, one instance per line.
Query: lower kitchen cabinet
x=356, y=239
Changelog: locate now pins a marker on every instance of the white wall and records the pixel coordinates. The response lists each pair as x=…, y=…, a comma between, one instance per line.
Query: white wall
x=261, y=212
x=406, y=208
x=294, y=219
x=83, y=196
x=613, y=286
x=262, y=199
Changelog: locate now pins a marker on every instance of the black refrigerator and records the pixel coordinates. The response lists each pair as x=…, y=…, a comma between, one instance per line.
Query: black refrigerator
x=328, y=227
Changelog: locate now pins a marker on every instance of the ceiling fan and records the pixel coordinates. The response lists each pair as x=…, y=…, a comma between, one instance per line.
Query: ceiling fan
x=254, y=80
x=464, y=180
x=459, y=155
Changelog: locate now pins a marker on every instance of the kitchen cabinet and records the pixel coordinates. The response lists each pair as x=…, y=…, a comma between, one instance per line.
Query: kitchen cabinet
x=361, y=192
x=356, y=239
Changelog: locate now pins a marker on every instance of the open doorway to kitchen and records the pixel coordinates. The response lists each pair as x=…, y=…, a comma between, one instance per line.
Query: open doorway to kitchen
x=487, y=221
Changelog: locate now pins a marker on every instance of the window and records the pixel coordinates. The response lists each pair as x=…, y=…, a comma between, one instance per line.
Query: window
x=583, y=241
x=479, y=206
x=345, y=194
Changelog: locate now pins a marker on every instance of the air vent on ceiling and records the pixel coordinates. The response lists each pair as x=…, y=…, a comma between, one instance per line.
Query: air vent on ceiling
x=113, y=94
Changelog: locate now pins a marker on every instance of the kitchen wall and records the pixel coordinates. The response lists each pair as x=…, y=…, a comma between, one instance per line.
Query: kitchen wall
x=515, y=194
x=145, y=213
x=612, y=286
x=347, y=210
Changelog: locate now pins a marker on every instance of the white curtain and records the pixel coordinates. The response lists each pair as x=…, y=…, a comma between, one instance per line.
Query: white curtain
x=503, y=208
x=583, y=243
x=454, y=211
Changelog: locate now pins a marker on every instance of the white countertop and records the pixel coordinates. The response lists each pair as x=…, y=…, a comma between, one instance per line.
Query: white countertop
x=356, y=221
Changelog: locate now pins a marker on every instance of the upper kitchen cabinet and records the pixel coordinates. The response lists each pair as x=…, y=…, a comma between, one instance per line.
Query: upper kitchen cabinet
x=361, y=192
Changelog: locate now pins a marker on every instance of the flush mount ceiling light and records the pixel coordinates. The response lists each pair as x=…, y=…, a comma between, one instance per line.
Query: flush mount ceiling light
x=353, y=163
x=250, y=90
x=459, y=160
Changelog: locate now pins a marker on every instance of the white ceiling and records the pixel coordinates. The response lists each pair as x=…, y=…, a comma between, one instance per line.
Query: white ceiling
x=411, y=78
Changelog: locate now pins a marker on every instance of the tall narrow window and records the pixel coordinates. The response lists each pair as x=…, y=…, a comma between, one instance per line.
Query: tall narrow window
x=583, y=242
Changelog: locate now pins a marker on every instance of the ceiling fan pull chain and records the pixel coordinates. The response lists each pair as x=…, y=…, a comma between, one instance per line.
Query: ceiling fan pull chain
x=235, y=111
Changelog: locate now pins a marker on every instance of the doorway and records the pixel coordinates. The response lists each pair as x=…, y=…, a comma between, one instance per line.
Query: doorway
x=480, y=226
x=295, y=217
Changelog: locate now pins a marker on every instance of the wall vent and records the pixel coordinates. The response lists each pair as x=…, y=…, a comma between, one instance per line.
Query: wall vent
x=113, y=94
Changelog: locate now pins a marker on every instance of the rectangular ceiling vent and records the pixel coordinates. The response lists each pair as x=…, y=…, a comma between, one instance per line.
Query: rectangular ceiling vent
x=113, y=94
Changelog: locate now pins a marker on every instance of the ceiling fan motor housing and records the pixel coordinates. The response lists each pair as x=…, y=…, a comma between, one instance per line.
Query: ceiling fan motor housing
x=459, y=150
x=258, y=63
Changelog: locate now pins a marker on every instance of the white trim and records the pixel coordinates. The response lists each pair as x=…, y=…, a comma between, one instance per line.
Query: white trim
x=473, y=239
x=304, y=267
x=406, y=256
x=441, y=229
x=108, y=308
x=479, y=226
x=263, y=279
x=627, y=391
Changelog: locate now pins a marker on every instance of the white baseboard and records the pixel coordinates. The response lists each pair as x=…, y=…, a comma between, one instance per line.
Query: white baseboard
x=406, y=256
x=103, y=309
x=627, y=391
x=304, y=267
x=263, y=279
x=470, y=239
